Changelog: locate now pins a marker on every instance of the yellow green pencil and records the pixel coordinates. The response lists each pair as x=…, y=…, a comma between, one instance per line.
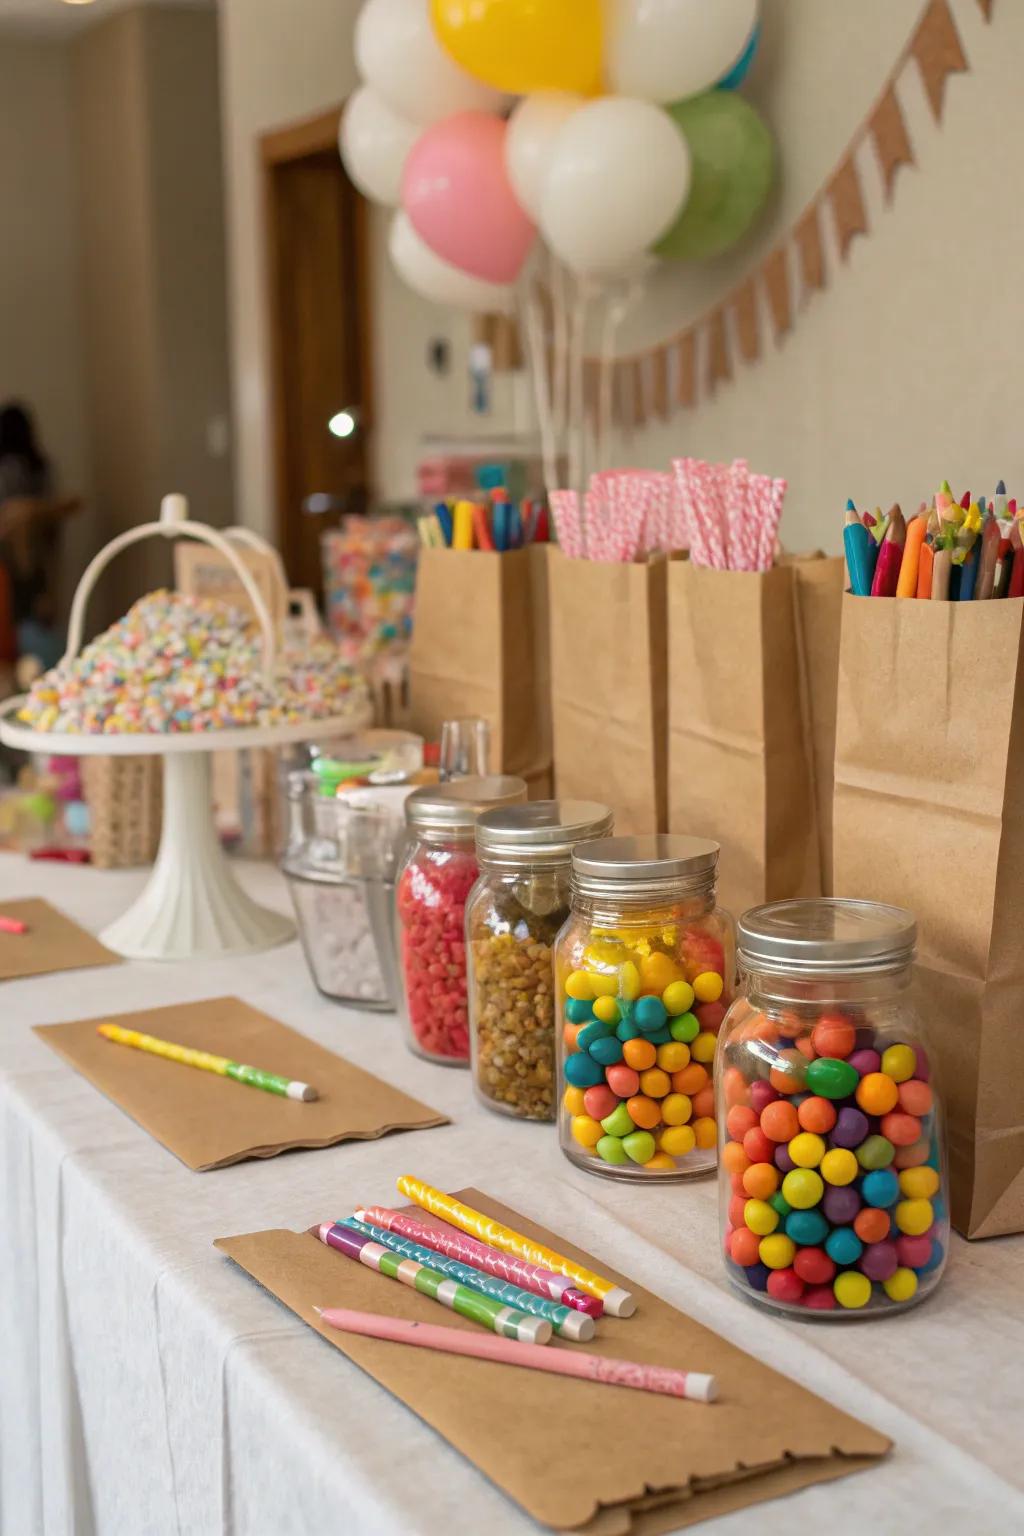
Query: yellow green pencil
x=253, y=1077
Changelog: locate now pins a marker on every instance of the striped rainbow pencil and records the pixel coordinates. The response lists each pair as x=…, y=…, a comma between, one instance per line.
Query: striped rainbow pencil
x=458, y=1245
x=665, y=1379
x=458, y=1298
x=617, y=1302
x=566, y=1323
x=253, y=1077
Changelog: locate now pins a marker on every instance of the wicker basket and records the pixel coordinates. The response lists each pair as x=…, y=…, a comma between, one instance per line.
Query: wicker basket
x=125, y=799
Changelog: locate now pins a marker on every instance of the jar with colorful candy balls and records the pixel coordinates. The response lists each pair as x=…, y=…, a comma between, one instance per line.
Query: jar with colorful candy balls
x=643, y=974
x=513, y=915
x=436, y=875
x=832, y=1174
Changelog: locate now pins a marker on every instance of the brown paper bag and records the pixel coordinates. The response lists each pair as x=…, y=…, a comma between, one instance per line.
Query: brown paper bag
x=929, y=814
x=739, y=760
x=480, y=647
x=51, y=943
x=643, y=1452
x=819, y=607
x=609, y=687
x=209, y=1121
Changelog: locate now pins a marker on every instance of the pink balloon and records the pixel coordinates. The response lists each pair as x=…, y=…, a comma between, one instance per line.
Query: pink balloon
x=458, y=196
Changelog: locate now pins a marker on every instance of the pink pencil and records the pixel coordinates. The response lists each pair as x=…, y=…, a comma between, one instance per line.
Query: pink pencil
x=469, y=1250
x=665, y=1379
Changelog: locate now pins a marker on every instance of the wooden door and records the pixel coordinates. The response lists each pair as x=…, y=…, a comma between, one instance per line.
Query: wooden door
x=317, y=247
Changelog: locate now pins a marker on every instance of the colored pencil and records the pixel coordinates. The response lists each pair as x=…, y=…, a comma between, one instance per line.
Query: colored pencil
x=989, y=555
x=941, y=569
x=462, y=525
x=617, y=1302
x=566, y=1323
x=430, y=1282
x=859, y=552
x=458, y=1245
x=968, y=577
x=1016, y=585
x=252, y=1077
x=696, y=1386
x=890, y=556
x=906, y=586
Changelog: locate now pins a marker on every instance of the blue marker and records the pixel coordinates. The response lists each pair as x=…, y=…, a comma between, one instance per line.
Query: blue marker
x=443, y=514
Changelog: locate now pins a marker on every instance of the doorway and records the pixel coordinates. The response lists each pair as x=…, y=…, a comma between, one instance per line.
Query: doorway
x=317, y=246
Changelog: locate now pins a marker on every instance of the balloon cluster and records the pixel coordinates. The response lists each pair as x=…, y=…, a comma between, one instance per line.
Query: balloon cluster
x=612, y=127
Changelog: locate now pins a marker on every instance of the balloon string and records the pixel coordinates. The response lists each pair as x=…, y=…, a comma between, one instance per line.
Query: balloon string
x=560, y=406
x=576, y=425
x=530, y=320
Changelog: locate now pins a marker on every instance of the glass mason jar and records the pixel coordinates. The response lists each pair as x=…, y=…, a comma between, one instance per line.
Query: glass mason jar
x=437, y=873
x=832, y=1178
x=513, y=915
x=643, y=975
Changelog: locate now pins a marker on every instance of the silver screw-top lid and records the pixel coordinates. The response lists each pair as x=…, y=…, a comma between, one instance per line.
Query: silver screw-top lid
x=826, y=937
x=628, y=866
x=452, y=808
x=541, y=832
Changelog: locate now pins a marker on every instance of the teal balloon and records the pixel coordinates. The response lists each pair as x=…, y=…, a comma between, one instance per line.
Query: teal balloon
x=741, y=69
x=733, y=168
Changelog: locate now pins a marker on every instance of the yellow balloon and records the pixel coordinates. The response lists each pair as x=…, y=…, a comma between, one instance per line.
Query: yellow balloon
x=524, y=45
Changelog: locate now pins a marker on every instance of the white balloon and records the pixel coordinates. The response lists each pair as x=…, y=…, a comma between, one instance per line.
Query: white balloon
x=664, y=50
x=398, y=53
x=438, y=280
x=531, y=133
x=373, y=142
x=620, y=170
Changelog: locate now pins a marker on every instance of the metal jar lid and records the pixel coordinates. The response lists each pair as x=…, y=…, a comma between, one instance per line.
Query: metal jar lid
x=639, y=866
x=450, y=810
x=826, y=937
x=542, y=832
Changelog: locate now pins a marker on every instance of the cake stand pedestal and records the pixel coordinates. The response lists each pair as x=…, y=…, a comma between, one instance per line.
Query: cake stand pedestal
x=192, y=904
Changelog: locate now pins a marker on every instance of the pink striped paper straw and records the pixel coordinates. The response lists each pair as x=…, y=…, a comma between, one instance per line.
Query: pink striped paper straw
x=470, y=1250
x=565, y=510
x=695, y=1385
x=687, y=511
x=708, y=510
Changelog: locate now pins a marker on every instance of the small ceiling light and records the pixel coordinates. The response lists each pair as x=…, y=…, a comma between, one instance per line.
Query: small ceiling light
x=78, y=2
x=343, y=423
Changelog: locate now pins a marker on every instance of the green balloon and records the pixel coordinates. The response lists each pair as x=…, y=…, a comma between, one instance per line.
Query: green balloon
x=733, y=167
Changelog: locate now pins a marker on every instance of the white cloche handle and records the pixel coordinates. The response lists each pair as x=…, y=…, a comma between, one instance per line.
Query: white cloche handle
x=174, y=523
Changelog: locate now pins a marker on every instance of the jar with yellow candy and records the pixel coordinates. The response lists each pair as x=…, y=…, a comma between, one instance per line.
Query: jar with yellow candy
x=643, y=975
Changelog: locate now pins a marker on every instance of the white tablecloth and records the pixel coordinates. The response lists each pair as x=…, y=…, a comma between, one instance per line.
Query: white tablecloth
x=148, y=1388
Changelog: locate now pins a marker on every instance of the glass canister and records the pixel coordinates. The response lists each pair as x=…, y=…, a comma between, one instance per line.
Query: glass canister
x=438, y=871
x=513, y=915
x=832, y=1162
x=643, y=975
x=340, y=867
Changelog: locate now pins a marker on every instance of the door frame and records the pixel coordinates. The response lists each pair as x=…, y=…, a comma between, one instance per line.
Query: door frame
x=296, y=141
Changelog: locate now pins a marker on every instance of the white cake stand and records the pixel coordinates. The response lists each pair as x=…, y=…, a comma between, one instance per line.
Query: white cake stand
x=192, y=904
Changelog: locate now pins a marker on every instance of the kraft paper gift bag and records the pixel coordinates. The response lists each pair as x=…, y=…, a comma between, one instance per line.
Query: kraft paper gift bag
x=819, y=583
x=738, y=754
x=480, y=647
x=609, y=686
x=929, y=814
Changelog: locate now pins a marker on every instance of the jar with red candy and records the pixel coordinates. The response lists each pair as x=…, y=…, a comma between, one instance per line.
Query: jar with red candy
x=832, y=1171
x=436, y=876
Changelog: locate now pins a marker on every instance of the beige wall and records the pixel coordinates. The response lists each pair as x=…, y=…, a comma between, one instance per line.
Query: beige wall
x=146, y=109
x=40, y=343
x=282, y=62
x=898, y=374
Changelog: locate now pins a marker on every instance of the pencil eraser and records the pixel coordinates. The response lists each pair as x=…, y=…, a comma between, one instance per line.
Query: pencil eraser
x=534, y=1330
x=701, y=1388
x=619, y=1303
x=302, y=1091
x=578, y=1327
